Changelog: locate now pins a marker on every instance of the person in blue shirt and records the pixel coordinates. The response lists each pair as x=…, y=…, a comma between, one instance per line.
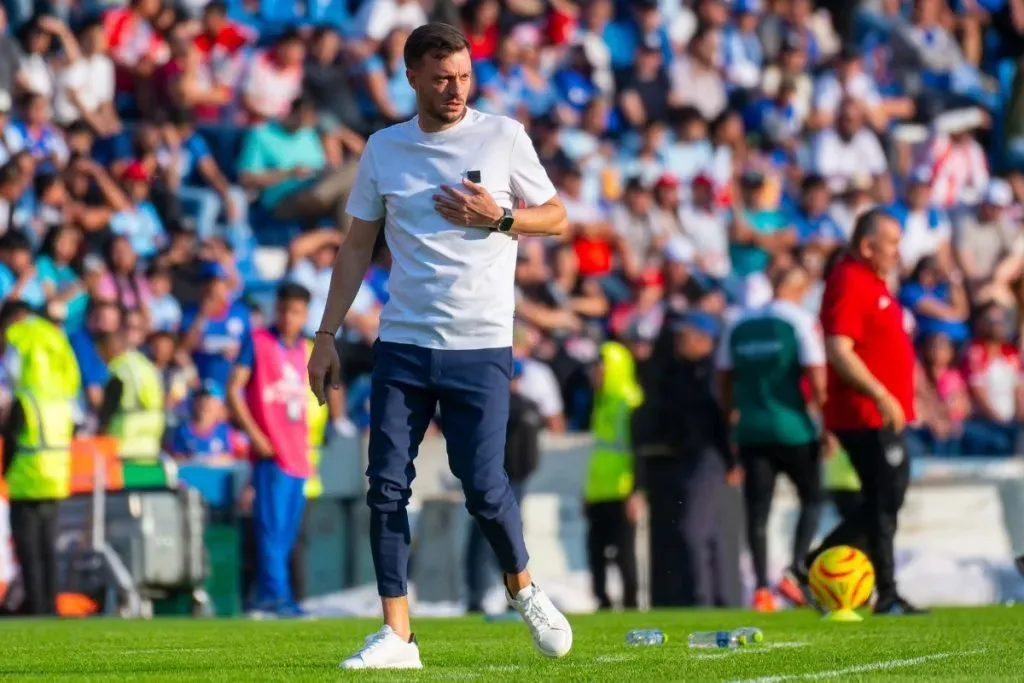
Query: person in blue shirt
x=203, y=188
x=759, y=230
x=742, y=53
x=57, y=270
x=214, y=329
x=102, y=317
x=19, y=279
x=501, y=80
x=938, y=302
x=139, y=220
x=207, y=437
x=815, y=226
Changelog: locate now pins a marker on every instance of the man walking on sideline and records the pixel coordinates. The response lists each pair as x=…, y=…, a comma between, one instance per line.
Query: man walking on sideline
x=764, y=357
x=445, y=187
x=870, y=393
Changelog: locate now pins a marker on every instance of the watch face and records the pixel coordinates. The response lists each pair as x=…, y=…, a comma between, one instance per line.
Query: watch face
x=505, y=224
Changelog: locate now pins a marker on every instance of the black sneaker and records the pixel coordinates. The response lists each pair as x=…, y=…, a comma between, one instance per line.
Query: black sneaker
x=896, y=606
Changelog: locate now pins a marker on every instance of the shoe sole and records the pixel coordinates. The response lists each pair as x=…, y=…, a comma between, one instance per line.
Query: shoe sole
x=406, y=665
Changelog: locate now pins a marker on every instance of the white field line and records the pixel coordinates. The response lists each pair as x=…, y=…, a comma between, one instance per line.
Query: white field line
x=749, y=650
x=169, y=650
x=612, y=659
x=884, y=665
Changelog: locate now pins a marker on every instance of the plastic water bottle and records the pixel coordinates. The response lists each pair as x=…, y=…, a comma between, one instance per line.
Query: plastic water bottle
x=717, y=639
x=646, y=636
x=753, y=634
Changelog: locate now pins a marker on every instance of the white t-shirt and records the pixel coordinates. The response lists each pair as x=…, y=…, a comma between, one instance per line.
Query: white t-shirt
x=810, y=343
x=921, y=238
x=92, y=78
x=451, y=287
x=710, y=235
x=538, y=383
x=829, y=92
x=841, y=160
x=377, y=18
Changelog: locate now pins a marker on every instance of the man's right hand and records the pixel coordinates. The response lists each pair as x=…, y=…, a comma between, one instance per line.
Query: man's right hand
x=324, y=367
x=891, y=410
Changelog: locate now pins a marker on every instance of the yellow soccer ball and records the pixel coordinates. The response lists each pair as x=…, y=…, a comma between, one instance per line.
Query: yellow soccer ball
x=842, y=579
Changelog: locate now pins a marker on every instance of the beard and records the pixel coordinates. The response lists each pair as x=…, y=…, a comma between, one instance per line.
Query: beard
x=441, y=112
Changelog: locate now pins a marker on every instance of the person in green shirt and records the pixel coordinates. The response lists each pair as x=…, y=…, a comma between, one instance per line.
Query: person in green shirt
x=765, y=358
x=759, y=229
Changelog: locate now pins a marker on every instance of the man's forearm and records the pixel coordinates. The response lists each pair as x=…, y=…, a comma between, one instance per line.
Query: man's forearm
x=851, y=368
x=349, y=269
x=546, y=219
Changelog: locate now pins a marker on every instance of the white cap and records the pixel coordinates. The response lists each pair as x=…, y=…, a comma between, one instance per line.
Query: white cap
x=998, y=193
x=679, y=250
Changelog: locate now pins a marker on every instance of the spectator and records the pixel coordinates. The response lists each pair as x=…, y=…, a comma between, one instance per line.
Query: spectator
x=287, y=164
x=926, y=228
x=743, y=54
x=759, y=230
x=214, y=330
x=123, y=284
x=136, y=218
x=34, y=133
x=941, y=397
x=19, y=279
x=816, y=229
x=186, y=81
x=9, y=56
x=376, y=19
x=937, y=300
x=480, y=24
x=311, y=260
x=85, y=87
x=992, y=370
x=641, y=234
x=847, y=81
x=791, y=68
x=645, y=95
x=12, y=185
x=207, y=437
x=37, y=73
x=959, y=168
x=695, y=77
x=537, y=382
x=223, y=44
x=178, y=377
x=326, y=81
x=49, y=204
x=164, y=309
x=199, y=181
x=274, y=80
x=989, y=247
x=57, y=266
x=135, y=46
x=102, y=318
x=387, y=90
x=9, y=138
x=848, y=149
x=501, y=81
x=705, y=225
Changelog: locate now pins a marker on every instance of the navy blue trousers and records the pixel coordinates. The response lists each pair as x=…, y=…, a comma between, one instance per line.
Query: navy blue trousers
x=472, y=389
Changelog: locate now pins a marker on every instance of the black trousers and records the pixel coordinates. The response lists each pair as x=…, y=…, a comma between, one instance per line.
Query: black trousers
x=608, y=528
x=881, y=461
x=34, y=530
x=688, y=550
x=762, y=465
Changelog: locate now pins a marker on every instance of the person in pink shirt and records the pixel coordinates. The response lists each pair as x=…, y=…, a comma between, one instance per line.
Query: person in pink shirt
x=269, y=394
x=274, y=79
x=941, y=396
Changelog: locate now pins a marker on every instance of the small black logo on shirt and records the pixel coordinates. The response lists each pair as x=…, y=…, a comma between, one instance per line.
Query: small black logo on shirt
x=473, y=176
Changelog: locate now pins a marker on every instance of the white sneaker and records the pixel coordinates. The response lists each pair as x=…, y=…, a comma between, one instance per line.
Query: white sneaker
x=385, y=650
x=551, y=632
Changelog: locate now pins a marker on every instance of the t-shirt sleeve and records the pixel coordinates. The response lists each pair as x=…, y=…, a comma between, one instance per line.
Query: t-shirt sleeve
x=530, y=181
x=251, y=159
x=911, y=295
x=246, y=354
x=811, y=343
x=197, y=147
x=365, y=201
x=842, y=313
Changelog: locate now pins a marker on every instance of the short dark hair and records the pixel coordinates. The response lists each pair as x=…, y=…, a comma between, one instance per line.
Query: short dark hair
x=11, y=309
x=293, y=291
x=436, y=39
x=216, y=7
x=10, y=173
x=867, y=225
x=14, y=240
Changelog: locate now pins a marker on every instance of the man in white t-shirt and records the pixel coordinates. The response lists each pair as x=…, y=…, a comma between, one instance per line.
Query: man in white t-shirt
x=452, y=189
x=849, y=149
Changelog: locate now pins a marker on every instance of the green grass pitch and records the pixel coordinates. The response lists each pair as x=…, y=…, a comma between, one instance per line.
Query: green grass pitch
x=949, y=645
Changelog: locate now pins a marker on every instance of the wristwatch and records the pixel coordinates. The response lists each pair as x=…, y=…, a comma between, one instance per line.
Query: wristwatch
x=504, y=223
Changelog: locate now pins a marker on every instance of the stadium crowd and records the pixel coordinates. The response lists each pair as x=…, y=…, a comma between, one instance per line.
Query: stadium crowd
x=165, y=165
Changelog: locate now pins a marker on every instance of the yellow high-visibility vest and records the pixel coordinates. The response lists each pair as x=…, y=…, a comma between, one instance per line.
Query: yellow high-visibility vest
x=48, y=367
x=41, y=469
x=138, y=424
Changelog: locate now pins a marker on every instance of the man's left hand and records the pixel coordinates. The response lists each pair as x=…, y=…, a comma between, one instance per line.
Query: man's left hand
x=475, y=208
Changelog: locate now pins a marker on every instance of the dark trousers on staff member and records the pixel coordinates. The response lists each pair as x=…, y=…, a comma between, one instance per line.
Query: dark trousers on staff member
x=472, y=389
x=689, y=563
x=608, y=528
x=881, y=461
x=34, y=532
x=761, y=466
